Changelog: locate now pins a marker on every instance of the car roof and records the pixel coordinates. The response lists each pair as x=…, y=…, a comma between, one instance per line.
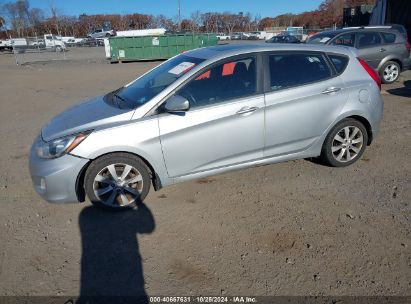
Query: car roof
x=227, y=50
x=359, y=29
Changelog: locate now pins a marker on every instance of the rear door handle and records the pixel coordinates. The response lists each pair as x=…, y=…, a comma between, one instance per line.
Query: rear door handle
x=331, y=90
x=246, y=110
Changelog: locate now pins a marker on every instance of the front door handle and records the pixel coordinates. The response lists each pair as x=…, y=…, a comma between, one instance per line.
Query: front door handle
x=382, y=50
x=247, y=110
x=331, y=90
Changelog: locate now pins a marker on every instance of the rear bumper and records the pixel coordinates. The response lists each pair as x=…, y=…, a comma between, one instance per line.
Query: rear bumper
x=406, y=65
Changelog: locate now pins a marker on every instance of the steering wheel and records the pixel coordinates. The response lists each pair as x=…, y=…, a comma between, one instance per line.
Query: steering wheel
x=187, y=94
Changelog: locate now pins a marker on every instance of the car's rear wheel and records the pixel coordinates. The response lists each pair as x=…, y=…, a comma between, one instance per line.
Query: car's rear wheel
x=345, y=143
x=117, y=181
x=390, y=72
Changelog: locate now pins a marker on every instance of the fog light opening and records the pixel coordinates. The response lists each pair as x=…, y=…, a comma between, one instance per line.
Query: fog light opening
x=42, y=183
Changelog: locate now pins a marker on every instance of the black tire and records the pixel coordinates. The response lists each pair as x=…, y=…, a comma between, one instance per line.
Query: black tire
x=330, y=158
x=98, y=169
x=385, y=78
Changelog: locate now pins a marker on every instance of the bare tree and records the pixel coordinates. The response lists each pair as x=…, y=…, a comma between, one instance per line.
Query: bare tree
x=17, y=14
x=248, y=22
x=36, y=17
x=195, y=21
x=164, y=22
x=3, y=26
x=210, y=22
x=229, y=21
x=67, y=25
x=55, y=16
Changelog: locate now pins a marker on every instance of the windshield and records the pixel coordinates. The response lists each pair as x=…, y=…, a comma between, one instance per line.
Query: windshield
x=321, y=38
x=146, y=87
x=278, y=39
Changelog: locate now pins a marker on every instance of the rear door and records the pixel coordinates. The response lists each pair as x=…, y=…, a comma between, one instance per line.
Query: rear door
x=370, y=46
x=225, y=123
x=303, y=97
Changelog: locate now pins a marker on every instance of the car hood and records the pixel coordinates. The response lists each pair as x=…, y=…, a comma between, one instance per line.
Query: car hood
x=92, y=114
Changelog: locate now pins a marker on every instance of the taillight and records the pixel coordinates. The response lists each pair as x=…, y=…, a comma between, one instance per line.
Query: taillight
x=372, y=72
x=407, y=44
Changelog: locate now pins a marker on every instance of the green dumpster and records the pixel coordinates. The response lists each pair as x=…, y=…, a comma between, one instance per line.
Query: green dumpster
x=156, y=47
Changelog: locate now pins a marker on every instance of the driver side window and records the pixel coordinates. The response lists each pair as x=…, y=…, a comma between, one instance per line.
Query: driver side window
x=229, y=80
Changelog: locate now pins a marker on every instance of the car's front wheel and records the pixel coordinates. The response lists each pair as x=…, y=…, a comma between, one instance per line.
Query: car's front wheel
x=345, y=143
x=117, y=181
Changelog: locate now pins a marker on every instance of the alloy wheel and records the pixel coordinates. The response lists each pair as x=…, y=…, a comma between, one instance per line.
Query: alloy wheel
x=347, y=144
x=391, y=73
x=118, y=185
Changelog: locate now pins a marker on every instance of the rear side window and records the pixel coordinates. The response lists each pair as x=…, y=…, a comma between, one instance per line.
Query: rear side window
x=339, y=62
x=345, y=39
x=368, y=39
x=388, y=37
x=290, y=70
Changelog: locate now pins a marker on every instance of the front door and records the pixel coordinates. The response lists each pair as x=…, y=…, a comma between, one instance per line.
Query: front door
x=225, y=123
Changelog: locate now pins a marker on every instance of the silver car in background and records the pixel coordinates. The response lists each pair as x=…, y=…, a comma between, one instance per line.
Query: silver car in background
x=383, y=48
x=101, y=33
x=205, y=112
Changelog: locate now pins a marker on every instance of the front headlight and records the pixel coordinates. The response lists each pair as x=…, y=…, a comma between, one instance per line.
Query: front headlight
x=60, y=146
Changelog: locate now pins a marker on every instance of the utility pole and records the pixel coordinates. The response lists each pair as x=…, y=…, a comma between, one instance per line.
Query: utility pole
x=179, y=16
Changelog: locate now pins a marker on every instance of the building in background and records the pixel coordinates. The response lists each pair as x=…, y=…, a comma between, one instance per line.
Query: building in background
x=392, y=12
x=357, y=15
x=383, y=12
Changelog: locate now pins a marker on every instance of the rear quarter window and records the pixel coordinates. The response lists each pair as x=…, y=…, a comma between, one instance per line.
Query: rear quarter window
x=339, y=62
x=388, y=37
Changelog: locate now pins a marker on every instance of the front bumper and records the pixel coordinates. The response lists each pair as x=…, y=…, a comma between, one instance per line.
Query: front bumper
x=55, y=179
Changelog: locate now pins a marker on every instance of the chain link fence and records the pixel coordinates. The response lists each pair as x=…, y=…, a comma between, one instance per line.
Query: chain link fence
x=48, y=48
x=37, y=49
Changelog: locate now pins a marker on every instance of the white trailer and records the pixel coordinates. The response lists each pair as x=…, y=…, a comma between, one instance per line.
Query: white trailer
x=138, y=33
x=5, y=45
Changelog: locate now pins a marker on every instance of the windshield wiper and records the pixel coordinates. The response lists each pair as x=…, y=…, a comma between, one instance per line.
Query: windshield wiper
x=119, y=97
x=122, y=104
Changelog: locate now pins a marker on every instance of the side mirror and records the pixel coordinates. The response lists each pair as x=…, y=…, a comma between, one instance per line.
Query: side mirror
x=177, y=103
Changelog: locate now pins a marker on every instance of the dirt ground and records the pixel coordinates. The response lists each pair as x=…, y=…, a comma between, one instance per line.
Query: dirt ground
x=296, y=228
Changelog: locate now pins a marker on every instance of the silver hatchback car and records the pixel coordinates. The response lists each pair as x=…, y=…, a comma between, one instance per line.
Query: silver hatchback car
x=205, y=112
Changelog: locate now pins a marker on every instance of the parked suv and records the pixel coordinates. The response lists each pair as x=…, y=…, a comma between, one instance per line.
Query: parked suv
x=384, y=49
x=208, y=111
x=101, y=33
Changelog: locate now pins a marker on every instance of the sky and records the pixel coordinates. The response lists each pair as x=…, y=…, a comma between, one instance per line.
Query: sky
x=266, y=8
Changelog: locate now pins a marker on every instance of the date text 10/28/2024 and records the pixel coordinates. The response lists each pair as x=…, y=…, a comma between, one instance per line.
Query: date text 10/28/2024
x=203, y=299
